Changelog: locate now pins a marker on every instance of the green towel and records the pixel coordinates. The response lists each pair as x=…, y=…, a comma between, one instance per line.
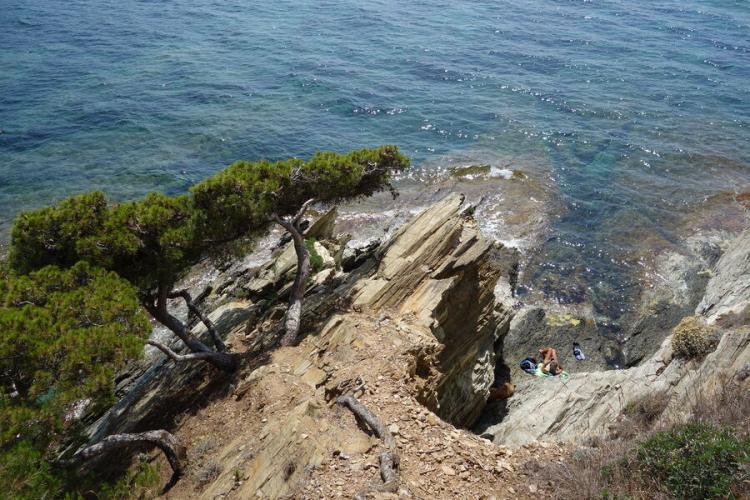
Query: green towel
x=540, y=373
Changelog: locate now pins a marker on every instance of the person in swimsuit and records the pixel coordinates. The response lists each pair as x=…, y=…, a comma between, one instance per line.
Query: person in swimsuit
x=550, y=362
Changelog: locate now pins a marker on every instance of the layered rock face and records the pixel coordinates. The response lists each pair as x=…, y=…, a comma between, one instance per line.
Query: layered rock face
x=585, y=404
x=439, y=269
x=428, y=290
x=420, y=329
x=153, y=390
x=681, y=280
x=281, y=435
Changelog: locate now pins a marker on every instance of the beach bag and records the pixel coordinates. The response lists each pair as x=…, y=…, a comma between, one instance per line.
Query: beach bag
x=528, y=365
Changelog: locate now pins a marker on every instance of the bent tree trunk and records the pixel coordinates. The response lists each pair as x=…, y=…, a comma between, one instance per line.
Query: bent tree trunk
x=157, y=307
x=185, y=295
x=173, y=450
x=293, y=317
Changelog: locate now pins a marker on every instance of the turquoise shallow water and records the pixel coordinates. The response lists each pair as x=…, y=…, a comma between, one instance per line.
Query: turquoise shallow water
x=635, y=109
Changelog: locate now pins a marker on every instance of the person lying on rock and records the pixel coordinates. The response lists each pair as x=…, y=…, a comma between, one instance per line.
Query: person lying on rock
x=550, y=362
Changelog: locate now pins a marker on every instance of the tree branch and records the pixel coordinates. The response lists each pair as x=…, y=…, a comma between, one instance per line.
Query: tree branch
x=293, y=316
x=301, y=212
x=185, y=295
x=156, y=305
x=282, y=222
x=389, y=459
x=179, y=358
x=222, y=360
x=174, y=451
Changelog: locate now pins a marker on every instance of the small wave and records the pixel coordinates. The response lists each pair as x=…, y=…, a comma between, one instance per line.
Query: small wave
x=501, y=173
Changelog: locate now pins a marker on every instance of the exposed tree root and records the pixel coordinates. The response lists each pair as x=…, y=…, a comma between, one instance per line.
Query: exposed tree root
x=389, y=459
x=176, y=453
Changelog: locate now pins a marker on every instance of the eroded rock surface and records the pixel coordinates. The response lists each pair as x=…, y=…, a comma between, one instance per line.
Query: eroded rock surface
x=429, y=290
x=421, y=329
x=676, y=286
x=586, y=404
x=441, y=270
x=728, y=291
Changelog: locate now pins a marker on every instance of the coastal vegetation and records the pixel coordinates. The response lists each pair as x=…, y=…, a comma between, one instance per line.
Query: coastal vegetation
x=151, y=242
x=696, y=461
x=65, y=332
x=82, y=274
x=645, y=457
x=249, y=195
x=692, y=338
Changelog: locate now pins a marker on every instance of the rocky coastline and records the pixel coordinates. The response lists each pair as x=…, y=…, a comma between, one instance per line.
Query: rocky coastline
x=422, y=322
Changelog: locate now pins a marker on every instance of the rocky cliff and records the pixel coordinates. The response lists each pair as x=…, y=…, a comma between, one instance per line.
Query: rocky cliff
x=417, y=327
x=441, y=271
x=587, y=403
x=416, y=314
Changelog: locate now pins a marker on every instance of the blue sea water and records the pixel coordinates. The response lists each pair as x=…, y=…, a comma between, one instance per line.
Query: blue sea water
x=636, y=108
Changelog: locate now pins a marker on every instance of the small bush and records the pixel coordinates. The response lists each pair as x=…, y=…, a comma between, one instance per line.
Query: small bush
x=140, y=483
x=203, y=447
x=630, y=463
x=695, y=461
x=25, y=474
x=316, y=261
x=692, y=338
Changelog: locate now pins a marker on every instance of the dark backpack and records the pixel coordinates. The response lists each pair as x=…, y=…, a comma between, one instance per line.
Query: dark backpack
x=528, y=365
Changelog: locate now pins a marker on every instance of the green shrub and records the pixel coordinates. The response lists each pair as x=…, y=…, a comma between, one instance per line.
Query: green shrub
x=140, y=483
x=692, y=338
x=316, y=261
x=696, y=461
x=245, y=194
x=26, y=474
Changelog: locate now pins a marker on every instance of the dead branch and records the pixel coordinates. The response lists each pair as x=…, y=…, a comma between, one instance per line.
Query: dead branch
x=348, y=386
x=301, y=212
x=389, y=459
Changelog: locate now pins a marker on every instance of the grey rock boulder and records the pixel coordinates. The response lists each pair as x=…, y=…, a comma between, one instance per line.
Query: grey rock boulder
x=728, y=291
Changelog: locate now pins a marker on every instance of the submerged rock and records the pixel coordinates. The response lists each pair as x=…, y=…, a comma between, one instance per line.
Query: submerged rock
x=471, y=171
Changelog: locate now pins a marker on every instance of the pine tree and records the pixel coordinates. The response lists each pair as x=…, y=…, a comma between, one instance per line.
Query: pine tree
x=248, y=195
x=152, y=241
x=65, y=332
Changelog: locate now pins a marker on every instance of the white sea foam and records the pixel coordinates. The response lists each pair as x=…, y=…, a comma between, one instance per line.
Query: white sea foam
x=501, y=173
